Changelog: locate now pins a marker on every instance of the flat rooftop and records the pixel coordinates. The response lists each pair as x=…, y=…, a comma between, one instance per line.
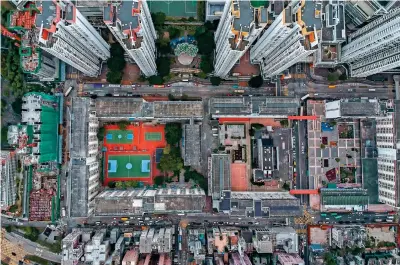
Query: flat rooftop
x=359, y=108
x=192, y=145
x=220, y=174
x=254, y=106
x=79, y=188
x=119, y=107
x=178, y=109
x=79, y=126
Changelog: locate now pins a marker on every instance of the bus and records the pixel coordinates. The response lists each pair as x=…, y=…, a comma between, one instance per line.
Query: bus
x=68, y=91
x=323, y=214
x=332, y=86
x=333, y=214
x=158, y=86
x=305, y=97
x=338, y=217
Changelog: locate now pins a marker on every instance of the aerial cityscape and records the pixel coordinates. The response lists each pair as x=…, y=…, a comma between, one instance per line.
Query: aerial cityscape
x=215, y=132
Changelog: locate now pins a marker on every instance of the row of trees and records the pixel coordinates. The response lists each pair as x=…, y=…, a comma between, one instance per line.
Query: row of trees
x=116, y=64
x=123, y=184
x=10, y=70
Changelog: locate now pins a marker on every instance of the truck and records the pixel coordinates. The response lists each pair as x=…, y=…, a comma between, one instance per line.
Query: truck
x=179, y=238
x=63, y=212
x=180, y=246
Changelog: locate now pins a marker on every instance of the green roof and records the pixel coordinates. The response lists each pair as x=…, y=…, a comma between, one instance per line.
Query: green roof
x=50, y=118
x=259, y=3
x=370, y=179
x=345, y=200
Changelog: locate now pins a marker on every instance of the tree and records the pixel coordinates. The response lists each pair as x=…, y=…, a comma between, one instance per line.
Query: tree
x=122, y=125
x=215, y=80
x=158, y=18
x=131, y=184
x=206, y=64
x=17, y=106
x=343, y=77
x=163, y=66
x=111, y=184
x=257, y=126
x=170, y=163
x=201, y=10
x=256, y=81
x=284, y=123
x=120, y=185
x=156, y=80
x=13, y=208
x=174, y=32
x=114, y=77
x=206, y=43
x=100, y=133
x=196, y=177
x=191, y=19
x=173, y=133
x=333, y=77
x=199, y=32
x=159, y=180
x=163, y=47
x=286, y=186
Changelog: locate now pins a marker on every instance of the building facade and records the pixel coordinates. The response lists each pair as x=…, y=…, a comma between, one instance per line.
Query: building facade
x=8, y=169
x=240, y=24
x=375, y=47
x=131, y=24
x=360, y=12
x=291, y=38
x=387, y=160
x=65, y=33
x=84, y=164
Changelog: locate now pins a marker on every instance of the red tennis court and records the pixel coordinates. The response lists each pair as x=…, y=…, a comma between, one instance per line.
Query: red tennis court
x=239, y=181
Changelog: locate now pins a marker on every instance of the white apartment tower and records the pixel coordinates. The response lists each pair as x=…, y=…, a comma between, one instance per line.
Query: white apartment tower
x=289, y=40
x=66, y=34
x=131, y=24
x=240, y=25
x=375, y=47
x=362, y=11
x=387, y=160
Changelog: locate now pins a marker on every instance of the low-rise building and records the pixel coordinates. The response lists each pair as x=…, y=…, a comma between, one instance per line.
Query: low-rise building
x=344, y=199
x=255, y=107
x=275, y=239
x=289, y=259
x=140, y=201
x=192, y=147
x=8, y=170
x=353, y=236
x=349, y=108
x=97, y=250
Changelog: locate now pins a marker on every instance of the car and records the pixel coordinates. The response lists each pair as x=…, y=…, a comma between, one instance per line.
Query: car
x=250, y=223
x=98, y=223
x=147, y=218
x=131, y=217
x=168, y=85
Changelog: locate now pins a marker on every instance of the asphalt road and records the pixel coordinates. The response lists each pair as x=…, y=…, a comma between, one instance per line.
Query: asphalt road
x=301, y=164
x=33, y=248
x=355, y=217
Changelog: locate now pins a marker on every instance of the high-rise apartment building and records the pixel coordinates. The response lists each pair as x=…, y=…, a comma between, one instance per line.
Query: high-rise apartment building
x=386, y=142
x=241, y=23
x=131, y=24
x=375, y=47
x=58, y=28
x=290, y=39
x=362, y=11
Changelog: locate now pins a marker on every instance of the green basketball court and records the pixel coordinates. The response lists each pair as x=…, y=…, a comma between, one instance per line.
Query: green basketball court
x=119, y=137
x=153, y=136
x=128, y=166
x=174, y=8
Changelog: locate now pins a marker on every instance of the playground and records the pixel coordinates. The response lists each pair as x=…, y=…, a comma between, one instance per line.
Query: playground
x=174, y=8
x=130, y=154
x=128, y=166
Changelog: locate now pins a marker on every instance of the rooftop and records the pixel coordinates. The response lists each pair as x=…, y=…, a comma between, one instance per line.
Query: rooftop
x=139, y=201
x=254, y=106
x=192, y=145
x=79, y=188
x=352, y=108
x=178, y=109
x=344, y=197
x=220, y=179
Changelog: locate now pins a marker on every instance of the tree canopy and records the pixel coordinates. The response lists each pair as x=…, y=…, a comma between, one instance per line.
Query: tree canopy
x=215, y=80
x=156, y=80
x=159, y=180
x=173, y=133
x=170, y=162
x=256, y=81
x=116, y=64
x=163, y=66
x=174, y=32
x=206, y=64
x=333, y=77
x=158, y=18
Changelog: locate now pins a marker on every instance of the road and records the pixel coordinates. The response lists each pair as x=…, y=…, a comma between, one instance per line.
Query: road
x=33, y=248
x=301, y=157
x=354, y=217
